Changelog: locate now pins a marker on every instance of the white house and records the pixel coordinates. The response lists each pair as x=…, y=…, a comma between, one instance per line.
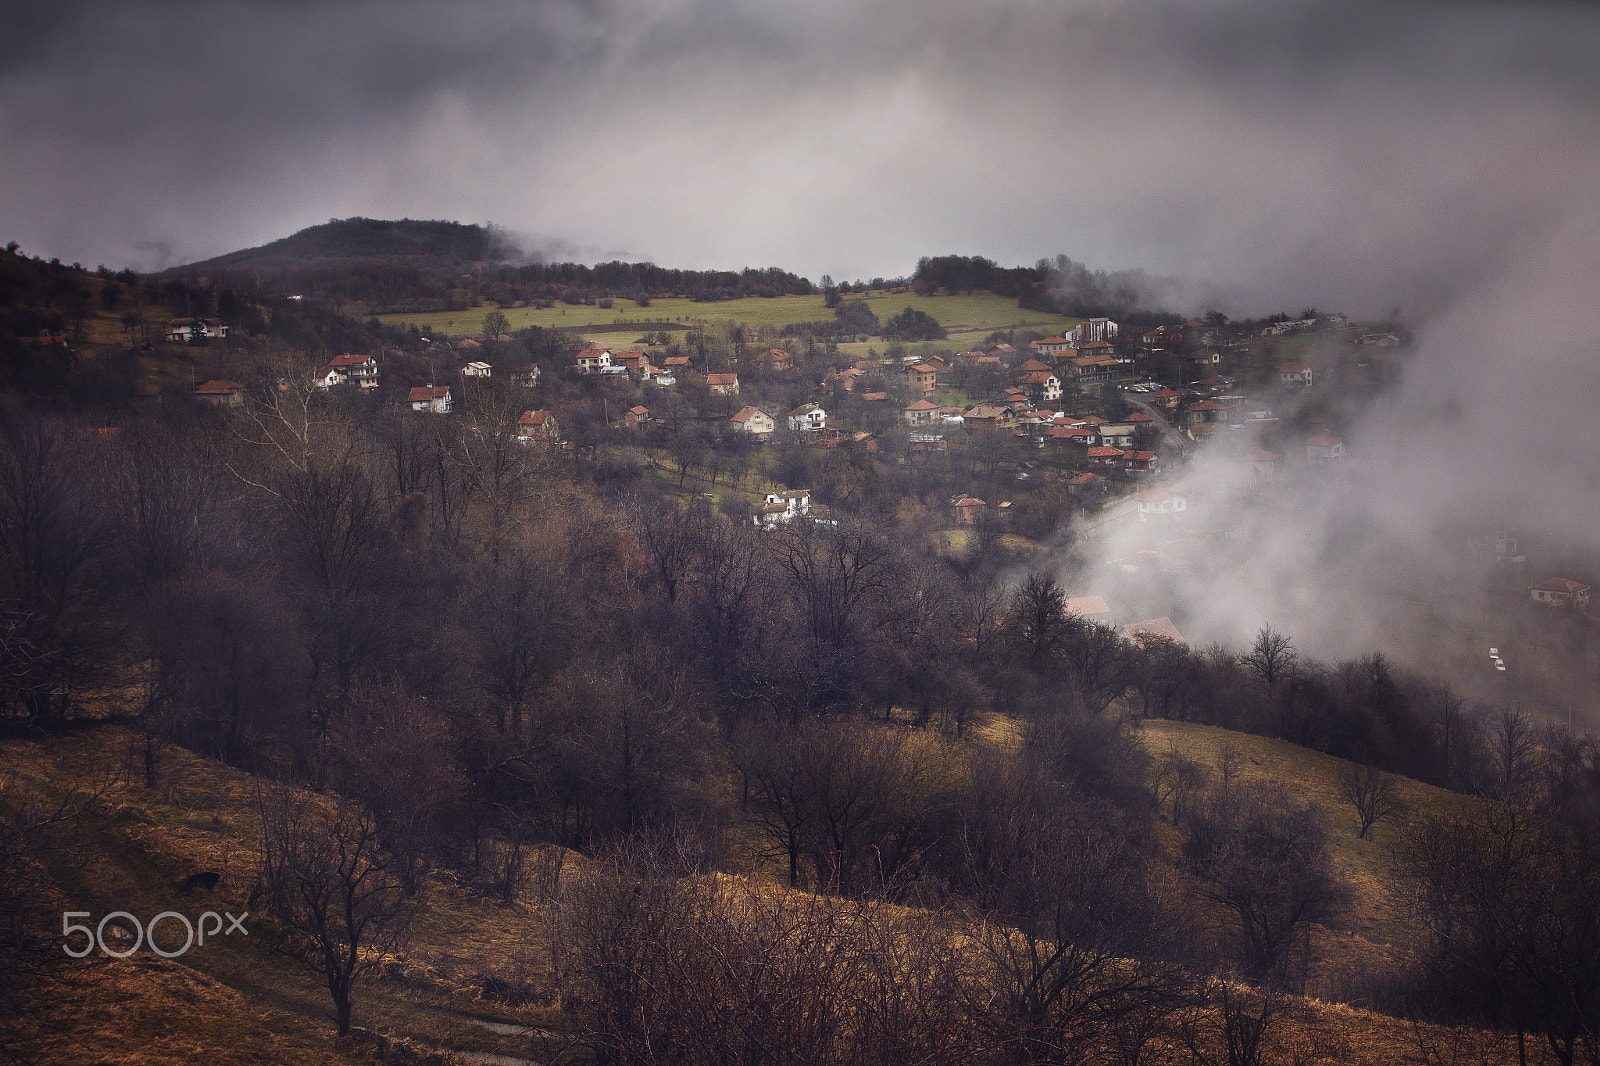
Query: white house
x=783, y=507
x=755, y=421
x=593, y=359
x=476, y=370
x=921, y=413
x=361, y=369
x=1561, y=592
x=1323, y=449
x=434, y=399
x=526, y=376
x=808, y=418
x=326, y=377
x=1094, y=329
x=1295, y=375
x=1155, y=504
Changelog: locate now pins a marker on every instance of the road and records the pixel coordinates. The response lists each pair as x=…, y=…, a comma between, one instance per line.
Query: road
x=1173, y=437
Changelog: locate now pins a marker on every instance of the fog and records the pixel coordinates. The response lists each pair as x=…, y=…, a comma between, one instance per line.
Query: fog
x=1344, y=155
x=1491, y=429
x=1427, y=159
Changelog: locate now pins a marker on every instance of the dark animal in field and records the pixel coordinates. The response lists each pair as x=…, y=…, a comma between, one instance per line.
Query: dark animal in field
x=206, y=879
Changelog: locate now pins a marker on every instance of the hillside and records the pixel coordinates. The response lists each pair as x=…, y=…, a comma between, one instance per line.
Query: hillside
x=434, y=247
x=234, y=1001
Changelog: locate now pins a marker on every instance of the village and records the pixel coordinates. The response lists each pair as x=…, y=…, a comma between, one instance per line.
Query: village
x=1092, y=435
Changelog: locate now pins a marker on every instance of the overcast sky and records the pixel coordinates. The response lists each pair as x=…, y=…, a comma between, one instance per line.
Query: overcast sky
x=1342, y=154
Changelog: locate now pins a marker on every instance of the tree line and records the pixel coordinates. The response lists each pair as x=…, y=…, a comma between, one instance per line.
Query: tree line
x=479, y=649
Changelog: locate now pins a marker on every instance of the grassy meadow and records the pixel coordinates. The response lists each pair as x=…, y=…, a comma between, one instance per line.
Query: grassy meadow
x=972, y=314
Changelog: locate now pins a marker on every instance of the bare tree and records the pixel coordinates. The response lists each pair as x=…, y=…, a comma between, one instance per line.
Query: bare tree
x=1271, y=657
x=334, y=893
x=1374, y=794
x=1265, y=860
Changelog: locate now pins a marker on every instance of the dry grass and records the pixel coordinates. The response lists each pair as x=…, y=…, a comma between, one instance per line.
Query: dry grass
x=235, y=1003
x=1371, y=934
x=233, y=998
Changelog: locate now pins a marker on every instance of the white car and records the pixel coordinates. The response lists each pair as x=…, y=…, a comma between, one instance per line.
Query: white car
x=1494, y=652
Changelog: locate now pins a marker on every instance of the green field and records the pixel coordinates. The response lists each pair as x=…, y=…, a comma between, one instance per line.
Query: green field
x=970, y=316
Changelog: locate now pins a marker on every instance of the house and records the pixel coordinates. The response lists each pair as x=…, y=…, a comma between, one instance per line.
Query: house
x=542, y=426
x=1086, y=485
x=921, y=378
x=220, y=393
x=187, y=329
x=808, y=418
x=476, y=370
x=591, y=360
x=723, y=384
x=1080, y=436
x=361, y=369
x=1042, y=387
x=636, y=417
x=433, y=399
x=1262, y=461
x=1090, y=369
x=1103, y=456
x=777, y=359
x=1323, y=449
x=676, y=364
x=782, y=507
x=326, y=377
x=1032, y=366
x=1159, y=503
x=1162, y=338
x=967, y=510
x=754, y=420
x=1094, y=329
x=921, y=413
x=526, y=376
x=1204, y=413
x=1049, y=345
x=845, y=380
x=637, y=365
x=1295, y=375
x=988, y=416
x=1561, y=592
x=1153, y=629
x=1379, y=340
x=1117, y=434
x=1091, y=607
x=1141, y=462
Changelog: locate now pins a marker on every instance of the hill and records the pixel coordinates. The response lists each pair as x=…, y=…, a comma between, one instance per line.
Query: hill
x=444, y=992
x=434, y=247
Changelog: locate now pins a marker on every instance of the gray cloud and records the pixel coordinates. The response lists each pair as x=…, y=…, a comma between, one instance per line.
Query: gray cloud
x=1341, y=154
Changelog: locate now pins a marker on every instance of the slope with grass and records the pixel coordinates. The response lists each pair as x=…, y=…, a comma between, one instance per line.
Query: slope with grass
x=235, y=1002
x=967, y=315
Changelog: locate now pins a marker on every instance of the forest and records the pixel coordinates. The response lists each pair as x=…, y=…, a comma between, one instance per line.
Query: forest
x=842, y=795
